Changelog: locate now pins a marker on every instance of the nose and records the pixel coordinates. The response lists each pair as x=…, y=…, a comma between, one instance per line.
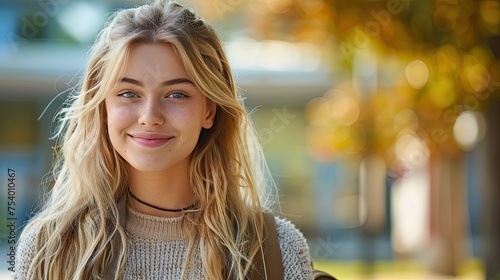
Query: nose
x=151, y=113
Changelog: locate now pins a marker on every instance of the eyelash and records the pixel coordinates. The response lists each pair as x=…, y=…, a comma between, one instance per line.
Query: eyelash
x=123, y=94
x=126, y=94
x=182, y=95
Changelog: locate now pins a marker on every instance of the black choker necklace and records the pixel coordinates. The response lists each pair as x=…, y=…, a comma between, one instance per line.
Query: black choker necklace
x=159, y=208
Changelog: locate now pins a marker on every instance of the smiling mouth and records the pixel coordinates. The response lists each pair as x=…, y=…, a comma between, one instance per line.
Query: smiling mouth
x=150, y=141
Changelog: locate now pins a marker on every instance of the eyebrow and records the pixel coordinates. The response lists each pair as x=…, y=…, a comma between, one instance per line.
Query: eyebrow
x=163, y=84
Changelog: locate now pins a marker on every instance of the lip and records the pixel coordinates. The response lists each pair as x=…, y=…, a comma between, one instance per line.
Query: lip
x=150, y=140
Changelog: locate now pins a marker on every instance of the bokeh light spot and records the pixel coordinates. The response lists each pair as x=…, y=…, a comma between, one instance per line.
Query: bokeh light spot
x=278, y=6
x=490, y=14
x=417, y=74
x=410, y=150
x=442, y=92
x=310, y=7
x=475, y=78
x=343, y=107
x=406, y=119
x=469, y=129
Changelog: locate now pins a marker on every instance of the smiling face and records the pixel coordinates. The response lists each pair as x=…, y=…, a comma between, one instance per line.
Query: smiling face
x=155, y=113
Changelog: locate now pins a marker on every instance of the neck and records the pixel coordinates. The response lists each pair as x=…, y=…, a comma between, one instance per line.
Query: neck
x=168, y=189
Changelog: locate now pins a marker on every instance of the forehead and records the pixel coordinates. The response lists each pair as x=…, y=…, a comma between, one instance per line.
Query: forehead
x=154, y=63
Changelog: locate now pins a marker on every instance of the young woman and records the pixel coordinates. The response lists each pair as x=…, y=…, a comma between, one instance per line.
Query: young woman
x=159, y=173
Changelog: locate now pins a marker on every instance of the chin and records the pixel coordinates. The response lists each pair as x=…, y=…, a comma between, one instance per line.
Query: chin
x=148, y=168
x=158, y=163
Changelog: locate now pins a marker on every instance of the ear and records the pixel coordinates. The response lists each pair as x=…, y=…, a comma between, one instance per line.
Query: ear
x=210, y=114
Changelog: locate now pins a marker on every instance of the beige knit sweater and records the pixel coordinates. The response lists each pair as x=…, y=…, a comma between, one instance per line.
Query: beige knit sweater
x=159, y=246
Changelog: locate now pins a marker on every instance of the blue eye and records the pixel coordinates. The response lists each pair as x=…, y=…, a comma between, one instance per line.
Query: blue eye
x=177, y=95
x=128, y=94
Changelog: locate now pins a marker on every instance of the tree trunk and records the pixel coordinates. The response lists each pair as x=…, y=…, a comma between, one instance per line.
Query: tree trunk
x=448, y=245
x=492, y=196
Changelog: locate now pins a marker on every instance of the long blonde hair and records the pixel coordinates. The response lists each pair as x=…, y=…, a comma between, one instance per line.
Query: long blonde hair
x=79, y=232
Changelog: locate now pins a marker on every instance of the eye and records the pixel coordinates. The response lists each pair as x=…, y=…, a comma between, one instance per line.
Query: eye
x=177, y=95
x=128, y=94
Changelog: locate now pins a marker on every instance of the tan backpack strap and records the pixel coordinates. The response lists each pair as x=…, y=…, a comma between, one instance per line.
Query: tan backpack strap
x=272, y=264
x=272, y=256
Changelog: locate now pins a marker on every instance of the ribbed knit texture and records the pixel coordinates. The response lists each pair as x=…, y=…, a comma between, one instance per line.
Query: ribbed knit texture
x=159, y=246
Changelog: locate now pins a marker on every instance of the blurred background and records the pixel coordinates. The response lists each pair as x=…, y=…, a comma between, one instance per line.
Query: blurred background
x=379, y=119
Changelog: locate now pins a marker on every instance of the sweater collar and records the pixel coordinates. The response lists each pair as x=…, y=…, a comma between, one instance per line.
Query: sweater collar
x=151, y=227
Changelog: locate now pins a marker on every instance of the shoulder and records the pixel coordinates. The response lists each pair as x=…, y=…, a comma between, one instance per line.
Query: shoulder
x=25, y=252
x=294, y=251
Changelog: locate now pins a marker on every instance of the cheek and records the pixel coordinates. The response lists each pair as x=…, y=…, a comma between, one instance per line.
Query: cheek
x=113, y=130
x=117, y=116
x=190, y=120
